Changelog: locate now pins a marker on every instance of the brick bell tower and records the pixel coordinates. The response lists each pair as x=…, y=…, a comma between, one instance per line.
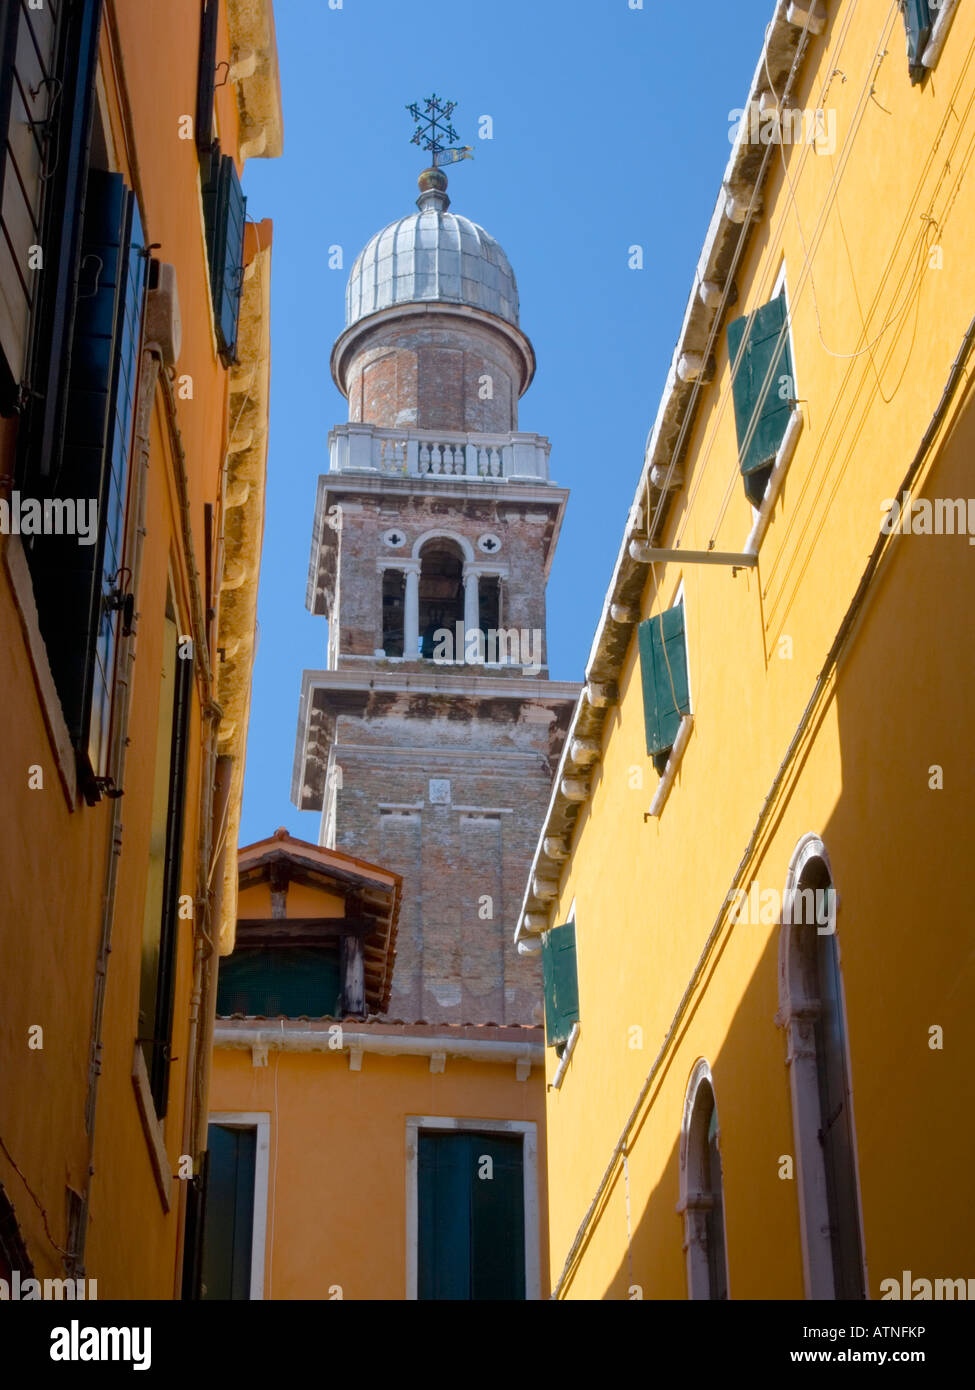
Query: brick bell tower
x=430, y=740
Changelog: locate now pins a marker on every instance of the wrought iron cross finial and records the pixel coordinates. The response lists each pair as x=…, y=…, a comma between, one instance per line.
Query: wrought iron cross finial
x=434, y=133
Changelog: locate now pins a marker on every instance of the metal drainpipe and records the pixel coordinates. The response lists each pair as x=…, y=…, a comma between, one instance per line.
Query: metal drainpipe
x=839, y=642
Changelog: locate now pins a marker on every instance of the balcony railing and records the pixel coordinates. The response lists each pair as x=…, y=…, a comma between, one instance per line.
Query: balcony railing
x=411, y=453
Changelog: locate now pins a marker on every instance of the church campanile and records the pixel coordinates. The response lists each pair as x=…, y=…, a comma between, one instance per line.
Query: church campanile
x=430, y=739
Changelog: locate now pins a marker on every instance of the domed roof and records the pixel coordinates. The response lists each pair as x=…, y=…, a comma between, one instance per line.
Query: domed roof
x=431, y=255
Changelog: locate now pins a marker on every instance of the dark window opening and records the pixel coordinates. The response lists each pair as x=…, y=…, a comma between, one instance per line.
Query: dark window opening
x=394, y=584
x=161, y=916
x=756, y=485
x=280, y=981
x=206, y=73
x=489, y=604
x=441, y=596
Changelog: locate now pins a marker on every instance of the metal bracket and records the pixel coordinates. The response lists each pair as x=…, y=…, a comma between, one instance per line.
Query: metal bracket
x=646, y=554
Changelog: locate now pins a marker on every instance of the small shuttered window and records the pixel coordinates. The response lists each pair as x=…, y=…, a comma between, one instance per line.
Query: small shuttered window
x=663, y=667
x=289, y=981
x=224, y=208
x=28, y=90
x=917, y=21
x=561, y=982
x=764, y=383
x=206, y=73
x=76, y=577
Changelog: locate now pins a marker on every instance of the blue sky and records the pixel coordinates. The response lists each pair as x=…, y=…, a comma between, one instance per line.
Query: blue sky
x=610, y=129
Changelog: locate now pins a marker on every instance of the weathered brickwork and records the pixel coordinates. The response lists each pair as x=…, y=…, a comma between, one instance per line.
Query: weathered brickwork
x=441, y=772
x=438, y=375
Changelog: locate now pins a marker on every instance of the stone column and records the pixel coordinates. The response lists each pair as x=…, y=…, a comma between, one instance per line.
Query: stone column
x=472, y=614
x=411, y=613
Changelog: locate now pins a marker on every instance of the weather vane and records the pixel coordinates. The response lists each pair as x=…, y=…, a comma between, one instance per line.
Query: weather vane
x=434, y=132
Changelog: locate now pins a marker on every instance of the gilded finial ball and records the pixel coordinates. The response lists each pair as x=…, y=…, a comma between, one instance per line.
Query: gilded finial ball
x=432, y=180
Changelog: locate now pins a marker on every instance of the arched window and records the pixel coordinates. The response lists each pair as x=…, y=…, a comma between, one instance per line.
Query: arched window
x=702, y=1190
x=813, y=1014
x=441, y=593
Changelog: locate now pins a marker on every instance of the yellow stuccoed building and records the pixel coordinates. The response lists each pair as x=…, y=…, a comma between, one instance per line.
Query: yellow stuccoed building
x=752, y=890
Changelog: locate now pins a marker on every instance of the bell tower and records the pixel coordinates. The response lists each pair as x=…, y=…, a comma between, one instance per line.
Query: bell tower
x=430, y=739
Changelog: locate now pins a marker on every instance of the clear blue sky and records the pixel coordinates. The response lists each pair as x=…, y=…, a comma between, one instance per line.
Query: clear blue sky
x=610, y=129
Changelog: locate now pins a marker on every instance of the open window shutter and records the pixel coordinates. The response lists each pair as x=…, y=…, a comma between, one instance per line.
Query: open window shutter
x=663, y=667
x=196, y=1210
x=168, y=939
x=917, y=21
x=762, y=391
x=560, y=982
x=224, y=209
x=206, y=73
x=67, y=575
x=27, y=55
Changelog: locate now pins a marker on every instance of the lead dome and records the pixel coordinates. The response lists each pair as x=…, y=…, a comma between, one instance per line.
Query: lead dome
x=432, y=256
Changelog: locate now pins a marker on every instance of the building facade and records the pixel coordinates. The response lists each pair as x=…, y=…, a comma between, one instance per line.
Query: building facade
x=352, y=1155
x=751, y=882
x=134, y=341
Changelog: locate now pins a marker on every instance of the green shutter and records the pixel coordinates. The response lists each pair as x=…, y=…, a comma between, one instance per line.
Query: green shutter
x=663, y=666
x=229, y=1222
x=561, y=982
x=293, y=981
x=917, y=21
x=69, y=578
x=762, y=391
x=471, y=1217
x=224, y=208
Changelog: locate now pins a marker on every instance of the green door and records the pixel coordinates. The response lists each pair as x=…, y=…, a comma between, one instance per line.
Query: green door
x=229, y=1231
x=471, y=1217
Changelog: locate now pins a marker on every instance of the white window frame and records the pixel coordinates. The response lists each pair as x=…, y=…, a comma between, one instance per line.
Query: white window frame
x=797, y=1015
x=259, y=1120
x=445, y=1124
x=690, y=1206
x=939, y=33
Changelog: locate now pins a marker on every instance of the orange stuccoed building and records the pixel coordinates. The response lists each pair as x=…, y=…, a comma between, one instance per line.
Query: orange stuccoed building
x=134, y=342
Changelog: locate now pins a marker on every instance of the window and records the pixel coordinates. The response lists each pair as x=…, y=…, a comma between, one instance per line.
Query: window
x=161, y=919
x=702, y=1191
x=206, y=73
x=489, y=605
x=763, y=389
x=27, y=91
x=812, y=1011
x=472, y=1209
x=441, y=594
x=71, y=334
x=666, y=688
x=235, y=1219
x=294, y=981
x=917, y=22
x=394, y=612
x=561, y=984
x=224, y=210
